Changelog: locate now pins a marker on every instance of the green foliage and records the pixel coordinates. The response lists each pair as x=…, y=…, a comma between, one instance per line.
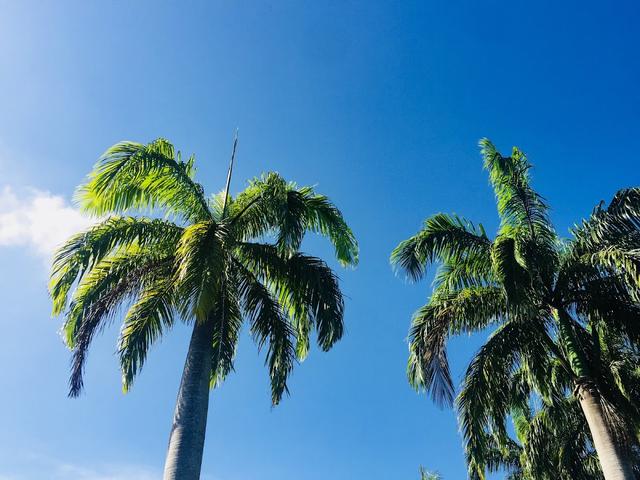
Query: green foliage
x=558, y=309
x=427, y=475
x=200, y=263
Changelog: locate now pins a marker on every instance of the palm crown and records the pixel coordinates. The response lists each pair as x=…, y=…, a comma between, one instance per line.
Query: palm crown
x=215, y=260
x=550, y=301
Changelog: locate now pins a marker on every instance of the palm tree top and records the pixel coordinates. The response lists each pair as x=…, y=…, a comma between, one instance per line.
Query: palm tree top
x=165, y=250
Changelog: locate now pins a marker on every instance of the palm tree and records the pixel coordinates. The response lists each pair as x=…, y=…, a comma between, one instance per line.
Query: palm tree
x=538, y=293
x=211, y=261
x=427, y=475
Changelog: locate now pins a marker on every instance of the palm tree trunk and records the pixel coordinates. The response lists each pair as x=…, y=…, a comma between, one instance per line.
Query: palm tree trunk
x=615, y=465
x=186, y=441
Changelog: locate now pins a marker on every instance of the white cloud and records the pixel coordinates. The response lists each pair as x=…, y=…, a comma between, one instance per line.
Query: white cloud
x=37, y=220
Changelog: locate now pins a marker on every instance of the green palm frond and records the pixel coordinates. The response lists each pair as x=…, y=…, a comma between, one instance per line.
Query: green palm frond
x=226, y=316
x=443, y=237
x=468, y=310
x=272, y=206
x=200, y=260
x=97, y=298
x=133, y=176
x=84, y=250
x=305, y=286
x=519, y=206
x=269, y=326
x=146, y=321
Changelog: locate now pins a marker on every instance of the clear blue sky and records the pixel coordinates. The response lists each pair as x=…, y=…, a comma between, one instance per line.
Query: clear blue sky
x=380, y=104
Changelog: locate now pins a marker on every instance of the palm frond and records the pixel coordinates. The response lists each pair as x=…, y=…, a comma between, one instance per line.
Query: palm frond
x=518, y=204
x=306, y=287
x=97, y=299
x=84, y=250
x=146, y=321
x=443, y=237
x=269, y=326
x=272, y=206
x=226, y=316
x=200, y=262
x=467, y=310
x=133, y=176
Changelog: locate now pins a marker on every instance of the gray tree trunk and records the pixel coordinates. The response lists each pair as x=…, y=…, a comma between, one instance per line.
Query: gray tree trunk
x=186, y=441
x=615, y=464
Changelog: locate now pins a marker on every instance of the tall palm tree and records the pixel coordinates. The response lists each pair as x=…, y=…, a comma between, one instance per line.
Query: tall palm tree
x=212, y=262
x=532, y=288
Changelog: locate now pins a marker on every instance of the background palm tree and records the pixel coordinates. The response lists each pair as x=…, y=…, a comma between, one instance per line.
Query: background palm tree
x=212, y=262
x=427, y=475
x=547, y=299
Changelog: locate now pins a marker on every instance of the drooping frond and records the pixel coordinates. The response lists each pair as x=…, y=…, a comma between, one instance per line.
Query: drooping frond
x=84, y=250
x=485, y=399
x=226, y=316
x=269, y=326
x=306, y=287
x=133, y=176
x=468, y=310
x=270, y=205
x=615, y=225
x=97, y=298
x=146, y=321
x=443, y=237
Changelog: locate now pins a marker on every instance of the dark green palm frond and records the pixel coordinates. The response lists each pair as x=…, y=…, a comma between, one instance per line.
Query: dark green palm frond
x=146, y=321
x=226, y=316
x=133, y=176
x=307, y=291
x=509, y=271
x=269, y=326
x=471, y=270
x=616, y=224
x=428, y=365
x=467, y=310
x=97, y=298
x=272, y=206
x=485, y=399
x=84, y=250
x=323, y=217
x=558, y=441
x=311, y=282
x=306, y=287
x=443, y=237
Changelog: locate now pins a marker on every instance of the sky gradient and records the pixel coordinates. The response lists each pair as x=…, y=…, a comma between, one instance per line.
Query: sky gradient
x=378, y=104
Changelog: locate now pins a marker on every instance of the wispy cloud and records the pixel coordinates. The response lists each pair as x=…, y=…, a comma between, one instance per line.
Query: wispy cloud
x=37, y=220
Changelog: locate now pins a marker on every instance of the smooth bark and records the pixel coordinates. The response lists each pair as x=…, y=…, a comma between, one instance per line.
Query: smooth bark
x=615, y=464
x=186, y=441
